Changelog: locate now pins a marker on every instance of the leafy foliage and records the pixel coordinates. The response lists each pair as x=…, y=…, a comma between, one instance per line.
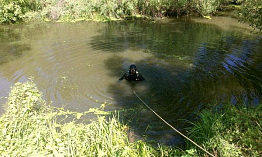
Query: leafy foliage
x=74, y=10
x=11, y=13
x=251, y=12
x=17, y=11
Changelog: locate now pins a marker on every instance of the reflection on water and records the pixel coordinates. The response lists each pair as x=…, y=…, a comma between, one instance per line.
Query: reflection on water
x=187, y=66
x=11, y=45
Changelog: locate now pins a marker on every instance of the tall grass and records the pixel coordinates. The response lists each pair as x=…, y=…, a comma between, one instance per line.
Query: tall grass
x=233, y=131
x=29, y=127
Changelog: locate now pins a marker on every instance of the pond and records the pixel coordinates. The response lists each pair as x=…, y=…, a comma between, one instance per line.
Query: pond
x=188, y=63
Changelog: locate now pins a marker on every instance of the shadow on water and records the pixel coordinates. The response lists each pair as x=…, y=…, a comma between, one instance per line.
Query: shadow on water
x=177, y=92
x=193, y=65
x=11, y=45
x=156, y=90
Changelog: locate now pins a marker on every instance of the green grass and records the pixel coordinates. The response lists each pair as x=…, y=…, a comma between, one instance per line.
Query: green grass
x=232, y=131
x=30, y=127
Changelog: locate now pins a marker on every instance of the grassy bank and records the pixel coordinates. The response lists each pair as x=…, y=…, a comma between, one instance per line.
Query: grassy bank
x=73, y=10
x=15, y=11
x=230, y=131
x=30, y=127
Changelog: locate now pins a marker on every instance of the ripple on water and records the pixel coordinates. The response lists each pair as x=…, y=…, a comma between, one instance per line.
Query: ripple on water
x=186, y=65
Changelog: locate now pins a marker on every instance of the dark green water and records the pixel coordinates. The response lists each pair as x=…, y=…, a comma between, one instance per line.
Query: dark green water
x=188, y=65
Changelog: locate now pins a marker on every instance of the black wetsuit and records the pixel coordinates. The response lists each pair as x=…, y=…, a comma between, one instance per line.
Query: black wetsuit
x=132, y=74
x=132, y=77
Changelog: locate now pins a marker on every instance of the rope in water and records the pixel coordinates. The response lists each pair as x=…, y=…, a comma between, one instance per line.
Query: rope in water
x=173, y=127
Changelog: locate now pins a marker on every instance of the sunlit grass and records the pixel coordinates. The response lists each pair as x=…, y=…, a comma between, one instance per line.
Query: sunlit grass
x=30, y=127
x=231, y=131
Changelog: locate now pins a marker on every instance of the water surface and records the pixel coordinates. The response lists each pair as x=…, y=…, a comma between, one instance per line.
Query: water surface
x=188, y=65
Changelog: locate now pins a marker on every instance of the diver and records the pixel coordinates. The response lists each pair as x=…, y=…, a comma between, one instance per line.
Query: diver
x=132, y=74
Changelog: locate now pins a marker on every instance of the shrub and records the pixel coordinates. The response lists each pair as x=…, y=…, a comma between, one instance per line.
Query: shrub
x=11, y=13
x=251, y=12
x=17, y=11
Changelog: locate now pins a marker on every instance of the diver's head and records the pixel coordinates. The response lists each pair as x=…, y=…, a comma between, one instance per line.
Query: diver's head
x=132, y=69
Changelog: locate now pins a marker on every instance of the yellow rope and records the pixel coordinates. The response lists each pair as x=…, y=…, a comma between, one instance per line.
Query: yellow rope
x=173, y=127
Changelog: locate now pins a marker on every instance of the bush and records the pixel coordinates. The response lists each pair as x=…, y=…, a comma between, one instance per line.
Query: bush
x=17, y=11
x=11, y=13
x=73, y=10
